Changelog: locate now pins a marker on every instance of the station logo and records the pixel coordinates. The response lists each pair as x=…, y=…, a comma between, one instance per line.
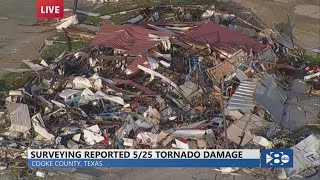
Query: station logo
x=277, y=158
x=50, y=8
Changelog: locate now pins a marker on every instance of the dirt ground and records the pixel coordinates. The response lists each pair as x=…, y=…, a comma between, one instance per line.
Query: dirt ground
x=19, y=40
x=304, y=14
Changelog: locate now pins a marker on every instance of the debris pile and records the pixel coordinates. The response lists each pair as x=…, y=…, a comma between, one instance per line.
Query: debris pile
x=201, y=82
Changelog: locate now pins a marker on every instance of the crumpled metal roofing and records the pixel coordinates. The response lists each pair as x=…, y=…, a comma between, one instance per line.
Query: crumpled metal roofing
x=220, y=37
x=132, y=38
x=300, y=108
x=309, y=146
x=266, y=93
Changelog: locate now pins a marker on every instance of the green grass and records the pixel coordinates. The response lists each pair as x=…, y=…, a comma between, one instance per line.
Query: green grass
x=118, y=7
x=52, y=52
x=55, y=50
x=122, y=6
x=317, y=120
x=95, y=21
x=79, y=45
x=10, y=81
x=312, y=59
x=121, y=18
x=19, y=172
x=125, y=6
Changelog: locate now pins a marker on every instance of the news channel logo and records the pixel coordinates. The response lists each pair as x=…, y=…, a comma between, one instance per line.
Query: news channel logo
x=277, y=158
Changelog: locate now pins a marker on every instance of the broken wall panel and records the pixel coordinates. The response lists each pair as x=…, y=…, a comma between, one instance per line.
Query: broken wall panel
x=221, y=70
x=240, y=131
x=20, y=117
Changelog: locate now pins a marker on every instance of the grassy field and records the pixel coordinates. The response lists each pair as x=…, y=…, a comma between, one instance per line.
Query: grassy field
x=53, y=51
x=134, y=4
x=115, y=9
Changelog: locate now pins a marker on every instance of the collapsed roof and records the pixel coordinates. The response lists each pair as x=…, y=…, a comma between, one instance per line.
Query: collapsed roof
x=220, y=37
x=135, y=40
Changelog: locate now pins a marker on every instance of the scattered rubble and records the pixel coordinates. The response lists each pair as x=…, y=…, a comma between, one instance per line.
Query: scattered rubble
x=191, y=82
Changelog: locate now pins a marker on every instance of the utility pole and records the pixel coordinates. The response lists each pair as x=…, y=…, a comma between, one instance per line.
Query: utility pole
x=222, y=112
x=75, y=6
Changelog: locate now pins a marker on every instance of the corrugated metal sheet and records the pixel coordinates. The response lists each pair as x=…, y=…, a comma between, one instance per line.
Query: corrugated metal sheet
x=270, y=96
x=243, y=98
x=266, y=93
x=300, y=108
x=133, y=66
x=132, y=38
x=220, y=37
x=300, y=163
x=284, y=40
x=267, y=55
x=135, y=40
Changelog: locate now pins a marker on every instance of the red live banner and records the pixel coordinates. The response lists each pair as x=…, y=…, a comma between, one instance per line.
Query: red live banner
x=50, y=8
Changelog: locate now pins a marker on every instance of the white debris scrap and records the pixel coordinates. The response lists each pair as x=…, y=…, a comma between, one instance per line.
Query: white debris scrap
x=207, y=14
x=152, y=115
x=32, y=65
x=153, y=63
x=92, y=135
x=262, y=141
x=83, y=12
x=189, y=133
x=81, y=83
x=180, y=145
x=148, y=138
x=38, y=126
x=128, y=142
x=19, y=116
x=66, y=22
